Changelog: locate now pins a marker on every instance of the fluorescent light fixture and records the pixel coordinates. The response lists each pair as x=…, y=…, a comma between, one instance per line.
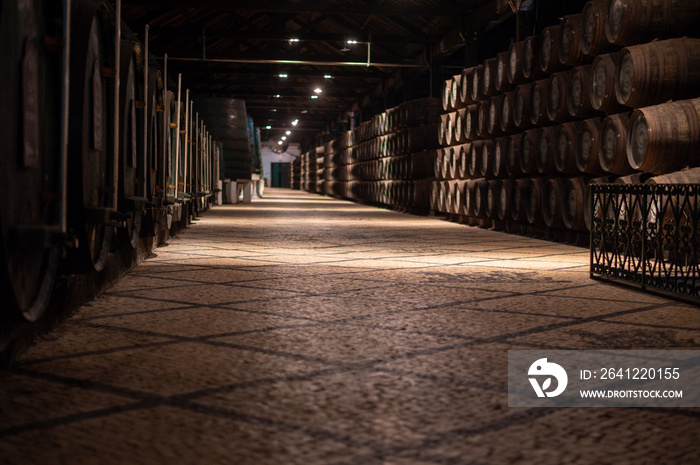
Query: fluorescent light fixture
x=288, y=133
x=318, y=90
x=328, y=76
x=268, y=127
x=278, y=96
x=284, y=137
x=352, y=42
x=283, y=75
x=279, y=142
x=294, y=39
x=314, y=96
x=295, y=122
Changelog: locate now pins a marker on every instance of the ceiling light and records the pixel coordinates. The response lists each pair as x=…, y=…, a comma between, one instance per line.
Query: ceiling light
x=288, y=133
x=328, y=76
x=295, y=122
x=283, y=75
x=284, y=137
x=278, y=96
x=293, y=39
x=268, y=127
x=318, y=90
x=352, y=42
x=314, y=96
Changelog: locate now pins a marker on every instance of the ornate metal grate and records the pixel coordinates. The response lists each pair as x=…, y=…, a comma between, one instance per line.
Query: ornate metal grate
x=648, y=236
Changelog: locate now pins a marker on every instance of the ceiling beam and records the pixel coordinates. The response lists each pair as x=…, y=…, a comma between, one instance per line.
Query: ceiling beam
x=209, y=68
x=284, y=37
x=310, y=6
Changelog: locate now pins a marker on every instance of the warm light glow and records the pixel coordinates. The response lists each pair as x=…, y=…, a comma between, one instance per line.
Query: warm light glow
x=318, y=90
x=289, y=133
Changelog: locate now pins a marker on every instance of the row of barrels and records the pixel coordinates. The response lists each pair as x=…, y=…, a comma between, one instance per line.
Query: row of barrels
x=656, y=139
x=409, y=195
x=418, y=165
x=638, y=76
x=557, y=202
x=407, y=115
x=295, y=174
x=100, y=154
x=603, y=26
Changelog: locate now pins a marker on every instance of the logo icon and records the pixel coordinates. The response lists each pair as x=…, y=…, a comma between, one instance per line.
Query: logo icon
x=551, y=370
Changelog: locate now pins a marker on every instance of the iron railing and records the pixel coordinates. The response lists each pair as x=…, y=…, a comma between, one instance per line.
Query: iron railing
x=647, y=236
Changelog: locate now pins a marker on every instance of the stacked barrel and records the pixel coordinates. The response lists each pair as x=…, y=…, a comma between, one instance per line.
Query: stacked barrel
x=295, y=174
x=594, y=99
x=387, y=160
x=311, y=171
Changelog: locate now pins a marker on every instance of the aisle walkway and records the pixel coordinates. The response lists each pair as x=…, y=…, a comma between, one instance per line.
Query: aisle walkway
x=306, y=330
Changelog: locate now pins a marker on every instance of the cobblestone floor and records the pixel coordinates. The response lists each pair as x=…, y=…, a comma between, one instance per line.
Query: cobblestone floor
x=307, y=330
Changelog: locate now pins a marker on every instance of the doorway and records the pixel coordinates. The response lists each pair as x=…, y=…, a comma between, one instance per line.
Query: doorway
x=280, y=175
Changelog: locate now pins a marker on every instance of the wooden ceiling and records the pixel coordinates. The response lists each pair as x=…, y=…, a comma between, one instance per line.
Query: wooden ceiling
x=240, y=49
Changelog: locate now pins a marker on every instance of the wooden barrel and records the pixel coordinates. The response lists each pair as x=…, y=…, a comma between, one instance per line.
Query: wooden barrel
x=448, y=163
x=553, y=201
x=480, y=196
x=689, y=176
x=587, y=145
x=494, y=116
x=545, y=153
x=565, y=153
x=439, y=160
x=515, y=63
x=521, y=106
x=557, y=92
x=447, y=95
x=463, y=153
x=518, y=200
x=477, y=88
x=32, y=201
x=634, y=21
x=658, y=71
x=507, y=113
x=465, y=95
x=460, y=135
x=587, y=215
x=92, y=188
x=470, y=122
x=458, y=198
x=488, y=83
x=533, y=198
x=530, y=63
x=549, y=50
x=602, y=84
x=569, y=43
x=593, y=39
x=455, y=92
x=502, y=64
x=574, y=207
x=665, y=137
x=434, y=195
x=493, y=194
x=475, y=153
x=528, y=151
x=538, y=103
x=482, y=115
x=487, y=154
x=512, y=155
x=500, y=151
x=449, y=190
x=505, y=198
x=578, y=100
x=442, y=131
x=612, y=152
x=450, y=128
